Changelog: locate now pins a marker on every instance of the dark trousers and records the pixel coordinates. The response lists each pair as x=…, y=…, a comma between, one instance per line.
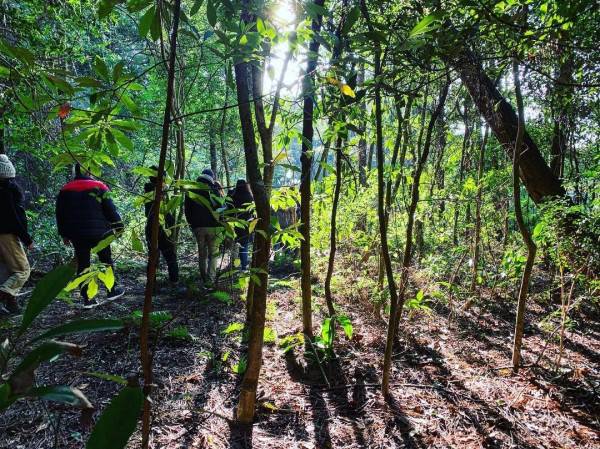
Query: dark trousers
x=166, y=247
x=83, y=254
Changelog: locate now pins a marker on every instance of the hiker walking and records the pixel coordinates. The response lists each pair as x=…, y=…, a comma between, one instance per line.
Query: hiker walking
x=243, y=201
x=86, y=215
x=166, y=245
x=201, y=206
x=13, y=236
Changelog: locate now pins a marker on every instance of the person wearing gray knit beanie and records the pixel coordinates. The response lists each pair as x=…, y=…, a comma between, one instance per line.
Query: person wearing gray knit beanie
x=7, y=169
x=13, y=237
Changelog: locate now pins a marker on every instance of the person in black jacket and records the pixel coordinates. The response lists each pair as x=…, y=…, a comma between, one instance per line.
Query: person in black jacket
x=201, y=214
x=242, y=201
x=166, y=245
x=86, y=215
x=13, y=236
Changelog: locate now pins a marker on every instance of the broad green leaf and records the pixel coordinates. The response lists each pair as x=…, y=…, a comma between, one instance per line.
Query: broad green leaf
x=146, y=21
x=426, y=24
x=100, y=68
x=136, y=243
x=196, y=7
x=94, y=325
x=61, y=393
x=103, y=244
x=118, y=420
x=44, y=293
x=155, y=26
x=117, y=71
x=211, y=13
x=351, y=19
x=92, y=288
x=122, y=138
x=346, y=325
x=22, y=377
x=138, y=5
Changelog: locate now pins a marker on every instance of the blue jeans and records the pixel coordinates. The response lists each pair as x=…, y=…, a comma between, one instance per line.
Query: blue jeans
x=244, y=243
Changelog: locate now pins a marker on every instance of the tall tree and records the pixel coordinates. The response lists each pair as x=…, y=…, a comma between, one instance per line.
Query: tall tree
x=308, y=93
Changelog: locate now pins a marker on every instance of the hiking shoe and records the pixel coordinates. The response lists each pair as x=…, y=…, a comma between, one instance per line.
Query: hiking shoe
x=9, y=302
x=115, y=293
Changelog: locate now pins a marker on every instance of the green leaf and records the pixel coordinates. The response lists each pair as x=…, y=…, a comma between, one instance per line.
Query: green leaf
x=45, y=291
x=137, y=5
x=196, y=7
x=327, y=332
x=118, y=421
x=22, y=375
x=136, y=243
x=100, y=68
x=314, y=11
x=346, y=325
x=92, y=288
x=426, y=24
x=117, y=71
x=61, y=393
x=88, y=81
x=4, y=71
x=104, y=243
x=233, y=327
x=351, y=19
x=128, y=125
x=122, y=139
x=94, y=325
x=155, y=27
x=129, y=103
x=146, y=21
x=211, y=13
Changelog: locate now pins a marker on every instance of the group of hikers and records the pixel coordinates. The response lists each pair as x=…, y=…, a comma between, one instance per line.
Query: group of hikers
x=86, y=216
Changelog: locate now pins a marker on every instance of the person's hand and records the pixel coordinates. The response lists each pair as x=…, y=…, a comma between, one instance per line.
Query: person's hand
x=67, y=242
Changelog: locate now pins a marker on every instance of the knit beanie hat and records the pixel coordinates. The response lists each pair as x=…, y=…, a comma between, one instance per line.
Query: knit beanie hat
x=7, y=169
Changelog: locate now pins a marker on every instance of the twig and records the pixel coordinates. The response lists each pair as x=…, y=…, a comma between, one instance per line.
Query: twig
x=307, y=338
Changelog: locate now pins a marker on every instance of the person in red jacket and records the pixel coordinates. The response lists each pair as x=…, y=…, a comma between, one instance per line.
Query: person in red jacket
x=86, y=215
x=13, y=237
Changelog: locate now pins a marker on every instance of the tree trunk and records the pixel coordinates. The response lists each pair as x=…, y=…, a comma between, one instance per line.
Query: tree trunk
x=478, y=204
x=145, y=354
x=385, y=251
x=333, y=230
x=414, y=202
x=262, y=247
x=305, y=180
x=362, y=143
x=213, y=155
x=224, y=161
x=536, y=175
x=531, y=247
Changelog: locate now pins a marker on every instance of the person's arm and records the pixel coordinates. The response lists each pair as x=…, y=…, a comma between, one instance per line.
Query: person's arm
x=21, y=217
x=110, y=213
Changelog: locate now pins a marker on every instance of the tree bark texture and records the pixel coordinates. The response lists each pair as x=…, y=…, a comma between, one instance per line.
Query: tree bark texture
x=306, y=158
x=535, y=173
x=145, y=354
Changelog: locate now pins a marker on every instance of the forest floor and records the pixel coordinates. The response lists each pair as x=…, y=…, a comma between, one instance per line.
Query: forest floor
x=452, y=385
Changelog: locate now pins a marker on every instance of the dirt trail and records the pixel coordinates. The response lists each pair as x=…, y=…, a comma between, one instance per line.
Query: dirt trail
x=450, y=388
